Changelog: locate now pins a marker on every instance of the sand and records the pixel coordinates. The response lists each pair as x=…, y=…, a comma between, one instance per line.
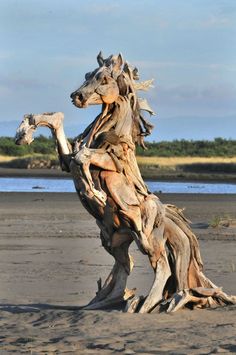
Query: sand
x=51, y=258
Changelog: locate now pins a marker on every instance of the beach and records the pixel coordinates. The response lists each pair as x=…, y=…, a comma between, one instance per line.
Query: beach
x=51, y=259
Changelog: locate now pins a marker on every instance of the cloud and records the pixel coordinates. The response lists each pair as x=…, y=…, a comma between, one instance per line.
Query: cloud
x=5, y=55
x=227, y=7
x=155, y=65
x=217, y=21
x=9, y=84
x=218, y=95
x=4, y=91
x=101, y=7
x=75, y=60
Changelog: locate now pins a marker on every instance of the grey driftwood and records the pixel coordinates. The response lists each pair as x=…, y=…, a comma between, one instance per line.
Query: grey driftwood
x=107, y=179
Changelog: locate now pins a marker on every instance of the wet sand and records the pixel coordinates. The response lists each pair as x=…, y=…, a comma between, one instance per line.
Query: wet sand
x=51, y=258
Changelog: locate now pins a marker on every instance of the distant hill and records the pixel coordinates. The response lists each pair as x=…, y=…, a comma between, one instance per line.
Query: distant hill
x=166, y=129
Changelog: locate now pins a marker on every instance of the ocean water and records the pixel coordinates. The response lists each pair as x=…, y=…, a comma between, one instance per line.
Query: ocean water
x=66, y=185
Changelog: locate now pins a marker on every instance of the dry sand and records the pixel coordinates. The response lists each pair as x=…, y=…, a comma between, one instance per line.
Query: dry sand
x=50, y=259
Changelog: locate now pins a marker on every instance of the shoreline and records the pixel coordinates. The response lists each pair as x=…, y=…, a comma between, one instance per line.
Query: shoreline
x=154, y=176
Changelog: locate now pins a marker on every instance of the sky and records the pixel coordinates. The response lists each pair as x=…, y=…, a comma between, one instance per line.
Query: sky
x=187, y=47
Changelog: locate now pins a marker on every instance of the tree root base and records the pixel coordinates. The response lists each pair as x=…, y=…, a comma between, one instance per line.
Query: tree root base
x=116, y=301
x=192, y=298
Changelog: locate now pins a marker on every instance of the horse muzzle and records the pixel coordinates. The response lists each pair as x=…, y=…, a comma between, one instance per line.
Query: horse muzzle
x=82, y=101
x=78, y=100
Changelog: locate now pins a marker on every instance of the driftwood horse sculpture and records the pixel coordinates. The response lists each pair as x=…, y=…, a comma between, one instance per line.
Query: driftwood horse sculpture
x=107, y=179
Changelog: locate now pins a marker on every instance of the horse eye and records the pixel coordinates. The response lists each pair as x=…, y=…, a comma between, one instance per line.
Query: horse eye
x=104, y=81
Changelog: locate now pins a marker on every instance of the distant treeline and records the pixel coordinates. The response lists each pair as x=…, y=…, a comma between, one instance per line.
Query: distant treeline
x=41, y=145
x=180, y=148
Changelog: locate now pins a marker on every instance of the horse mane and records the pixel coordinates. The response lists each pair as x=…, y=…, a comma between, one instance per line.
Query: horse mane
x=127, y=80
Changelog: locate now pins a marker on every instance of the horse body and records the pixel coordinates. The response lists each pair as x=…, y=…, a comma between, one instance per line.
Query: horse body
x=109, y=184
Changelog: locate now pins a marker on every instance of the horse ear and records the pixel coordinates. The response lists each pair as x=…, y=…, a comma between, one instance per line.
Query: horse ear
x=108, y=61
x=118, y=63
x=100, y=59
x=135, y=74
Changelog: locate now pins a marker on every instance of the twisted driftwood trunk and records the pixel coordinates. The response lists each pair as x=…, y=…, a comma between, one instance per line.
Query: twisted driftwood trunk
x=109, y=184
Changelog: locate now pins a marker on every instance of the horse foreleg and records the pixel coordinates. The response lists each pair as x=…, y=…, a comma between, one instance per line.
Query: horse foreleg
x=99, y=158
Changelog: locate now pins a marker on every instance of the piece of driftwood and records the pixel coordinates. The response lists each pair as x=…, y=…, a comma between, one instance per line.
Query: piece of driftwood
x=107, y=179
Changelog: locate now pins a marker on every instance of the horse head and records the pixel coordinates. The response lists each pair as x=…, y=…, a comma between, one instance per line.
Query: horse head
x=104, y=84
x=112, y=81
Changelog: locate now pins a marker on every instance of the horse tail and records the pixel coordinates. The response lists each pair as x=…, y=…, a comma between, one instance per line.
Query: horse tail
x=176, y=215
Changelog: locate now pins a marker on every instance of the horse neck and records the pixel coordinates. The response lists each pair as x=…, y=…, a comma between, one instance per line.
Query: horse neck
x=117, y=116
x=123, y=117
